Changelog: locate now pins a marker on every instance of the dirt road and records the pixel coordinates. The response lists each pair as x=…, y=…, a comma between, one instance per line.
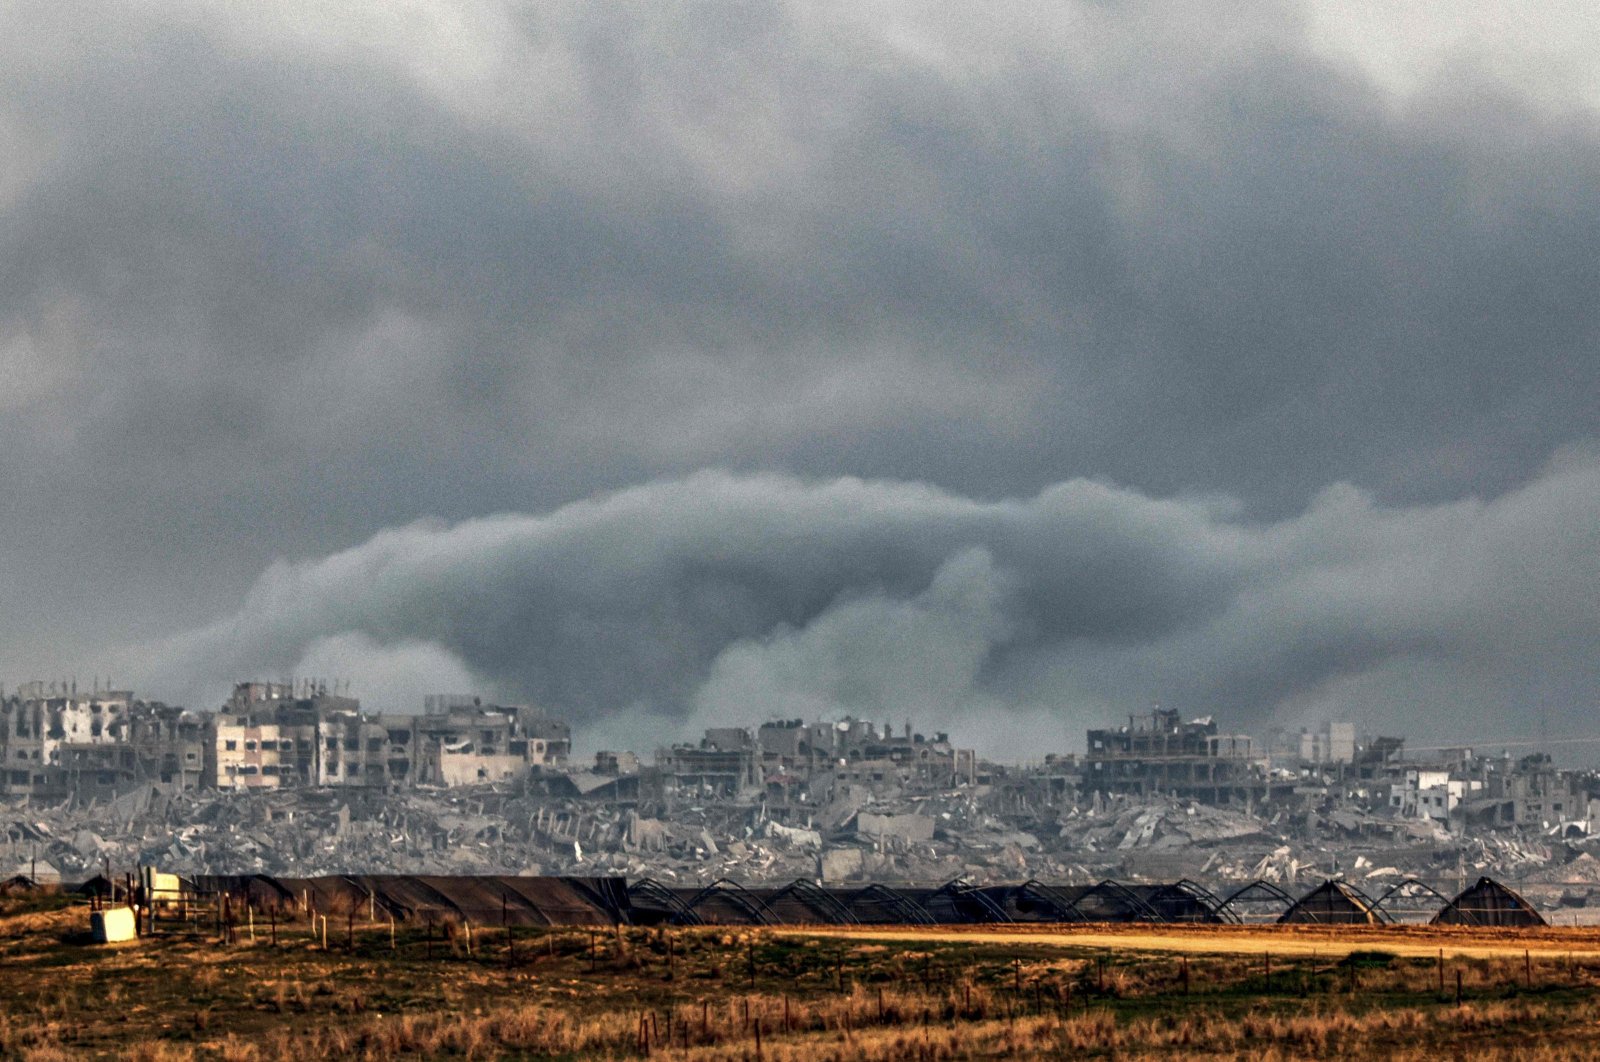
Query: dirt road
x=1329, y=941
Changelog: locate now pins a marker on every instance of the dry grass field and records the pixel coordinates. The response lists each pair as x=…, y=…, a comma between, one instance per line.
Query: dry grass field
x=792, y=994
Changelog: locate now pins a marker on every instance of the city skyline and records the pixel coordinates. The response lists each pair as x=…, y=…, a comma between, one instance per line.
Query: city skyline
x=1016, y=364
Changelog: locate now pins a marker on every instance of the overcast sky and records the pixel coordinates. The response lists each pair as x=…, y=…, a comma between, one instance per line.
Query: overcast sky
x=1004, y=367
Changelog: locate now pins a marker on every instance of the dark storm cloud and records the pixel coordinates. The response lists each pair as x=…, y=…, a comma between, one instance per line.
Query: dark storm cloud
x=272, y=279
x=723, y=598
x=1205, y=272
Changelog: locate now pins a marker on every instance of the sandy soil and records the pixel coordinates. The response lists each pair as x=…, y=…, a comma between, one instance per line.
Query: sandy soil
x=1332, y=941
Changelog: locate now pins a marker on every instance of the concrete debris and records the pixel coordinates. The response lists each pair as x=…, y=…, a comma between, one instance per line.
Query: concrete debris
x=983, y=834
x=900, y=827
x=793, y=837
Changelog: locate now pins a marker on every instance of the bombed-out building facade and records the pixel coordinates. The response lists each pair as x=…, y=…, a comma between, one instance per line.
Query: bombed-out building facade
x=792, y=760
x=301, y=778
x=57, y=743
x=272, y=736
x=1160, y=753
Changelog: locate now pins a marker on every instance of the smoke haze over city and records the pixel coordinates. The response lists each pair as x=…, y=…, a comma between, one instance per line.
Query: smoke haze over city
x=1000, y=368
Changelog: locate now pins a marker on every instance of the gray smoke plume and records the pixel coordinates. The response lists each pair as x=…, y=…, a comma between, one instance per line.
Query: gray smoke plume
x=277, y=277
x=731, y=599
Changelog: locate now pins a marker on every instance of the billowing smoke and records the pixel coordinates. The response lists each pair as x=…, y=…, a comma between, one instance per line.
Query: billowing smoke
x=276, y=277
x=721, y=598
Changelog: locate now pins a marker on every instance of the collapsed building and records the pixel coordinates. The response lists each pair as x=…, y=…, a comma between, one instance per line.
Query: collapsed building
x=297, y=781
x=1158, y=753
x=792, y=760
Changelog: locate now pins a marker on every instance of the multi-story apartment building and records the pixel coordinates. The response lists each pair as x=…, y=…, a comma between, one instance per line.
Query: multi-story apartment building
x=788, y=758
x=1158, y=753
x=56, y=742
x=268, y=737
x=726, y=763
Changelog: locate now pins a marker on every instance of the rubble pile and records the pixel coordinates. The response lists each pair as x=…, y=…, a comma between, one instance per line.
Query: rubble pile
x=966, y=832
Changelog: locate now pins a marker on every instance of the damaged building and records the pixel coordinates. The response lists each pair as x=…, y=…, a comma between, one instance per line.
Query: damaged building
x=273, y=736
x=320, y=786
x=1158, y=753
x=799, y=762
x=57, y=743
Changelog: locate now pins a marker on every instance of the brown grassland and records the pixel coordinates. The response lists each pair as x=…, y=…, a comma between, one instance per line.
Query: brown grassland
x=791, y=993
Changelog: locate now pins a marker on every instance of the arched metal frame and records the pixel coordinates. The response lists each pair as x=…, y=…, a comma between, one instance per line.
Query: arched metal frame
x=959, y=889
x=815, y=896
x=651, y=889
x=1396, y=889
x=1059, y=904
x=1201, y=893
x=445, y=903
x=1185, y=889
x=910, y=911
x=1274, y=893
x=1383, y=916
x=1378, y=914
x=740, y=897
x=832, y=905
x=1469, y=913
x=1143, y=912
x=272, y=885
x=371, y=895
x=610, y=894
